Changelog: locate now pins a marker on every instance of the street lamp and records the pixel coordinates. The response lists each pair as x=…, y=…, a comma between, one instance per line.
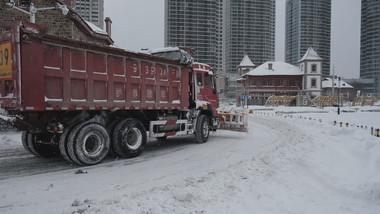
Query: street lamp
x=338, y=95
x=245, y=91
x=33, y=10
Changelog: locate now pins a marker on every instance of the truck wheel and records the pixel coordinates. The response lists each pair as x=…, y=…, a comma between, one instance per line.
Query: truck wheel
x=25, y=142
x=33, y=143
x=202, y=129
x=129, y=138
x=63, y=143
x=110, y=129
x=88, y=143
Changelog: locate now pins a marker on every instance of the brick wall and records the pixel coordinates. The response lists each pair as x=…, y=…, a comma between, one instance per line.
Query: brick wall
x=52, y=22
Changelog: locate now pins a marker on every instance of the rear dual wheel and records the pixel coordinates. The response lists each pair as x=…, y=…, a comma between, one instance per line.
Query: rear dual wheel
x=88, y=143
x=85, y=143
x=40, y=144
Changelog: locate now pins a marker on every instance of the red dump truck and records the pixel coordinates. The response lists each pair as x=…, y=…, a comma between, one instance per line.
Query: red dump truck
x=84, y=101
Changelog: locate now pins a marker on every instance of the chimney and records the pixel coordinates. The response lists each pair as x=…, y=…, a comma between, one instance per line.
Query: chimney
x=108, y=25
x=70, y=3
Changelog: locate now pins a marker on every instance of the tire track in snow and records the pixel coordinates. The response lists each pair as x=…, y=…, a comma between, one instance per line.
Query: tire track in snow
x=215, y=191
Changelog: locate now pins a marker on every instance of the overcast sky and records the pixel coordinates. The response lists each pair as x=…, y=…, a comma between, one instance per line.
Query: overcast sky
x=138, y=24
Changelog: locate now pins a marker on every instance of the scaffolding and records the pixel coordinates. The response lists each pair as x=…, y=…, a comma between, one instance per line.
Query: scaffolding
x=275, y=101
x=326, y=101
x=365, y=100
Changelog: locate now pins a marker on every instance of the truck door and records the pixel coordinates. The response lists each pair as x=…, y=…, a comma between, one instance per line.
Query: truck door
x=206, y=89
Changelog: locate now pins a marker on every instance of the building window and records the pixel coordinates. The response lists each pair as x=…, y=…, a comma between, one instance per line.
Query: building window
x=252, y=82
x=293, y=83
x=313, y=82
x=268, y=83
x=282, y=83
x=314, y=68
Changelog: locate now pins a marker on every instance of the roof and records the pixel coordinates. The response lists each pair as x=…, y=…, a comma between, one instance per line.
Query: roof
x=327, y=83
x=96, y=29
x=310, y=55
x=166, y=49
x=278, y=68
x=246, y=62
x=85, y=26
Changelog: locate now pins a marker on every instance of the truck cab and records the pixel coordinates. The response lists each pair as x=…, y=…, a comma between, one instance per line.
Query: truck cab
x=205, y=91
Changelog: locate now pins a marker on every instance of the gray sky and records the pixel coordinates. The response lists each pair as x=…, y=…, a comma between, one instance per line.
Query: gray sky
x=138, y=24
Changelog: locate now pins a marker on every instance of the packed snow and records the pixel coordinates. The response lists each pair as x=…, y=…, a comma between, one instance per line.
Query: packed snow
x=292, y=160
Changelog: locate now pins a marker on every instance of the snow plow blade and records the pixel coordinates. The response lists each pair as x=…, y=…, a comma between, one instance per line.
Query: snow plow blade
x=234, y=119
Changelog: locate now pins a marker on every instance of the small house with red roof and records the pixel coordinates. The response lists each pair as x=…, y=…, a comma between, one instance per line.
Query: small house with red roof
x=282, y=79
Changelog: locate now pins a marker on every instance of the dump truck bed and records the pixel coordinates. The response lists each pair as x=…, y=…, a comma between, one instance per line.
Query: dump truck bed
x=51, y=73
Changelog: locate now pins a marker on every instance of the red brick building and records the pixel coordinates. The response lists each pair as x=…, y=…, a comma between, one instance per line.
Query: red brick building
x=270, y=79
x=53, y=21
x=281, y=79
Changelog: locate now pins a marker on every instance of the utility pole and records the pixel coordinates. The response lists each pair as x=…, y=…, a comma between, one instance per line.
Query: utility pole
x=333, y=79
x=338, y=95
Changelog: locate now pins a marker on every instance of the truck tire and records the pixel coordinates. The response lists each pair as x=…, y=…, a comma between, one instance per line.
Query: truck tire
x=129, y=138
x=63, y=143
x=110, y=129
x=202, y=129
x=31, y=142
x=88, y=143
x=25, y=143
x=70, y=142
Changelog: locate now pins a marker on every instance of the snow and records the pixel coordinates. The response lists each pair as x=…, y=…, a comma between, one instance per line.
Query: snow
x=292, y=160
x=201, y=103
x=52, y=99
x=278, y=68
x=327, y=83
x=203, y=67
x=166, y=49
x=246, y=62
x=10, y=95
x=96, y=29
x=310, y=55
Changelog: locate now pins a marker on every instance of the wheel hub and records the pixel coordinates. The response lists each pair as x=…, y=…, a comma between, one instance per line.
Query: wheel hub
x=134, y=138
x=93, y=145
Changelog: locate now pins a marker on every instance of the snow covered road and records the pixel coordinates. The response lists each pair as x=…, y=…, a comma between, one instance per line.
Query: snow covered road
x=279, y=166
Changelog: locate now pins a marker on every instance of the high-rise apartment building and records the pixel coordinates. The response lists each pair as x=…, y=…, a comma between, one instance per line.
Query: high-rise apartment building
x=90, y=10
x=196, y=24
x=249, y=30
x=222, y=32
x=308, y=25
x=370, y=42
